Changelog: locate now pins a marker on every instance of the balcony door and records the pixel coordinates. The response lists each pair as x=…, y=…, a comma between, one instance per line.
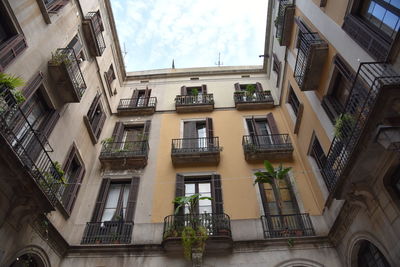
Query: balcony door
x=198, y=135
x=130, y=137
x=202, y=187
x=263, y=131
x=140, y=98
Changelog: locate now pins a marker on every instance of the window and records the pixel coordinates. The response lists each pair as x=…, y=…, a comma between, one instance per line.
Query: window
x=140, y=98
x=206, y=185
x=109, y=77
x=116, y=200
x=339, y=89
x=74, y=170
x=77, y=46
x=293, y=101
x=198, y=134
x=130, y=137
x=317, y=153
x=12, y=41
x=194, y=90
x=95, y=118
x=276, y=67
x=370, y=256
x=243, y=87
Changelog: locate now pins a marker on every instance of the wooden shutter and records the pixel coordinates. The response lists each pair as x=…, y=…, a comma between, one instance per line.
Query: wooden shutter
x=263, y=198
x=183, y=90
x=179, y=190
x=209, y=128
x=132, y=199
x=204, y=89
x=100, y=124
x=146, y=130
x=259, y=87
x=237, y=87
x=147, y=94
x=298, y=118
x=93, y=106
x=51, y=122
x=101, y=200
x=75, y=189
x=118, y=132
x=135, y=94
x=217, y=194
x=189, y=129
x=31, y=87
x=273, y=128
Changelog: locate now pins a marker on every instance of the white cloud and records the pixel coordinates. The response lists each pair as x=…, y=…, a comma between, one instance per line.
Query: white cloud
x=191, y=31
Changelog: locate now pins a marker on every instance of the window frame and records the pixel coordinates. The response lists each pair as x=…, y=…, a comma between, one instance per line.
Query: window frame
x=52, y=8
x=295, y=117
x=109, y=77
x=95, y=130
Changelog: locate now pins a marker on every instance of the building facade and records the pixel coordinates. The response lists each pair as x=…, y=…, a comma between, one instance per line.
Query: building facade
x=94, y=156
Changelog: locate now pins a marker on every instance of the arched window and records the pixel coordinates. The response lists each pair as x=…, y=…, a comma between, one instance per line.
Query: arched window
x=370, y=256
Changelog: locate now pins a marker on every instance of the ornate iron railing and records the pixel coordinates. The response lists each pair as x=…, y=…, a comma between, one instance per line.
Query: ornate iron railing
x=97, y=25
x=195, y=145
x=124, y=149
x=257, y=97
x=30, y=147
x=370, y=79
x=253, y=143
x=68, y=59
x=137, y=103
x=215, y=224
x=290, y=225
x=190, y=100
x=280, y=19
x=110, y=232
x=308, y=41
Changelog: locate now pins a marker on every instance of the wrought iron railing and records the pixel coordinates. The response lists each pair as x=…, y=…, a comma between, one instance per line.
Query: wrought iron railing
x=280, y=19
x=137, y=103
x=30, y=147
x=195, y=145
x=215, y=224
x=110, y=232
x=97, y=24
x=124, y=149
x=290, y=225
x=189, y=100
x=307, y=42
x=370, y=79
x=272, y=142
x=68, y=59
x=257, y=97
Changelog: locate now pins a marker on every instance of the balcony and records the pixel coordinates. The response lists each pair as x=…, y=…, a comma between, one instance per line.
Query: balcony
x=283, y=226
x=26, y=152
x=374, y=87
x=48, y=7
x=92, y=28
x=267, y=147
x=310, y=61
x=259, y=100
x=124, y=155
x=218, y=227
x=137, y=106
x=195, y=151
x=66, y=73
x=110, y=232
x=191, y=103
x=284, y=21
x=10, y=50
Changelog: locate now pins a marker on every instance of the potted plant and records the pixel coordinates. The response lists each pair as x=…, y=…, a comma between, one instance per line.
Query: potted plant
x=194, y=235
x=344, y=125
x=8, y=85
x=249, y=92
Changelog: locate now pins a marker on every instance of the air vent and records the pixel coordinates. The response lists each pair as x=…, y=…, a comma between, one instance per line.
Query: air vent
x=245, y=76
x=194, y=78
x=144, y=81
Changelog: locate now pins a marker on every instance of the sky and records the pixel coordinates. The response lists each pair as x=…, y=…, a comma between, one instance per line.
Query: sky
x=192, y=32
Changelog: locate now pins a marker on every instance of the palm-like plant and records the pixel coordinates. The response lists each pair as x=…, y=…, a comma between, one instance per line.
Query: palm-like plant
x=190, y=202
x=272, y=176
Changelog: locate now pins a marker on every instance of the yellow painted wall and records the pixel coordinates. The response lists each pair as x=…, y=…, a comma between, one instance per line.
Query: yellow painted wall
x=239, y=193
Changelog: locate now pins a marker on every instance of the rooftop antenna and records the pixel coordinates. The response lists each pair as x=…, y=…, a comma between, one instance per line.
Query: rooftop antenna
x=173, y=63
x=124, y=53
x=219, y=63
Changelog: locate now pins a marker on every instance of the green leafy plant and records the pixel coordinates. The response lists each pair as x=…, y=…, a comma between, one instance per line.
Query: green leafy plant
x=249, y=91
x=11, y=82
x=344, y=123
x=58, y=57
x=107, y=140
x=194, y=92
x=190, y=202
x=290, y=242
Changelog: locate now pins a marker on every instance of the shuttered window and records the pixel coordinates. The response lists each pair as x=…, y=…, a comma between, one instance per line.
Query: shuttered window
x=109, y=77
x=95, y=118
x=194, y=90
x=276, y=67
x=293, y=101
x=140, y=98
x=74, y=170
x=208, y=186
x=318, y=154
x=116, y=200
x=131, y=132
x=77, y=46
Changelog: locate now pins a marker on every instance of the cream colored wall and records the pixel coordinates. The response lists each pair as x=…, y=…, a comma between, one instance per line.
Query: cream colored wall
x=239, y=193
x=336, y=9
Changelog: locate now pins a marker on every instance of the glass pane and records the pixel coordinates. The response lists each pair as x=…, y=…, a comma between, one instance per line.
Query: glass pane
x=125, y=197
x=201, y=132
x=270, y=195
x=204, y=188
x=285, y=195
x=391, y=21
x=108, y=214
x=113, y=194
x=395, y=3
x=206, y=209
x=378, y=12
x=189, y=189
x=204, y=202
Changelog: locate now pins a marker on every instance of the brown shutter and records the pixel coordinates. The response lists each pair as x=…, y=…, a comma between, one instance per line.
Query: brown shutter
x=146, y=130
x=183, y=90
x=132, y=199
x=204, y=89
x=93, y=106
x=298, y=118
x=259, y=87
x=217, y=194
x=179, y=190
x=118, y=132
x=101, y=200
x=274, y=128
x=237, y=87
x=135, y=94
x=189, y=129
x=51, y=122
x=147, y=94
x=31, y=87
x=100, y=125
x=263, y=198
x=75, y=190
x=209, y=128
